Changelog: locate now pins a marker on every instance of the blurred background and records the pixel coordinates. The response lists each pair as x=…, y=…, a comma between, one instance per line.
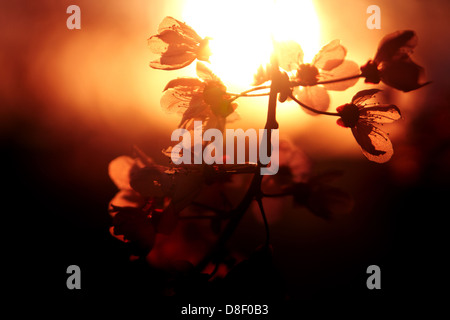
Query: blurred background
x=73, y=100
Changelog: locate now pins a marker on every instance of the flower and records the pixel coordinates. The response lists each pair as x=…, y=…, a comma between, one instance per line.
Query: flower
x=178, y=45
x=392, y=63
x=363, y=118
x=150, y=198
x=205, y=100
x=320, y=198
x=312, y=192
x=328, y=64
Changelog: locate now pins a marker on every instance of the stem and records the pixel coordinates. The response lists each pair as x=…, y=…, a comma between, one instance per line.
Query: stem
x=206, y=207
x=196, y=217
x=236, y=216
x=255, y=187
x=266, y=224
x=245, y=93
x=276, y=195
x=312, y=109
x=340, y=79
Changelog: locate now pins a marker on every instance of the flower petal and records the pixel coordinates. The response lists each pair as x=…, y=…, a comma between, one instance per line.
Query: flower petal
x=176, y=100
x=374, y=143
x=186, y=188
x=403, y=75
x=173, y=62
x=289, y=54
x=136, y=227
x=315, y=97
x=173, y=41
x=396, y=45
x=326, y=201
x=381, y=113
x=119, y=171
x=204, y=73
x=151, y=182
x=190, y=83
x=170, y=23
x=330, y=56
x=125, y=198
x=363, y=95
x=346, y=69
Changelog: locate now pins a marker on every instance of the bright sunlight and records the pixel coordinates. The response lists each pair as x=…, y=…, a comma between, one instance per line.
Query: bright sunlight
x=242, y=33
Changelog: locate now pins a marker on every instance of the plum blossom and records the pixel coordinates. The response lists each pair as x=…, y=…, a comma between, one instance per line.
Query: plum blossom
x=363, y=119
x=328, y=64
x=392, y=63
x=203, y=99
x=177, y=45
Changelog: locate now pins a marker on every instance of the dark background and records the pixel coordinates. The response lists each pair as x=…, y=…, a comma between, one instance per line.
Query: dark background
x=56, y=187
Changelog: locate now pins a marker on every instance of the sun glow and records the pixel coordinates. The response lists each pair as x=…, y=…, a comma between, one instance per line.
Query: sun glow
x=243, y=31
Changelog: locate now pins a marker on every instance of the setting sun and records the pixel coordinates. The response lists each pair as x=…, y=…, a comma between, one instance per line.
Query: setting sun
x=242, y=33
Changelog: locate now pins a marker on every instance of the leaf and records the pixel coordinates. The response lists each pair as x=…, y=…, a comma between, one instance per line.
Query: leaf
x=374, y=143
x=381, y=113
x=364, y=95
x=330, y=56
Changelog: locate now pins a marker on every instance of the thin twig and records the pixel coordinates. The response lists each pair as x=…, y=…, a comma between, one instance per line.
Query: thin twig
x=266, y=224
x=340, y=79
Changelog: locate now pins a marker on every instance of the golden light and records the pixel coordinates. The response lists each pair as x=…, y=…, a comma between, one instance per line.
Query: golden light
x=242, y=33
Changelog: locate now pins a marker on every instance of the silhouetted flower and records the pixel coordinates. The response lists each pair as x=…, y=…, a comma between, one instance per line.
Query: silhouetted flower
x=178, y=44
x=136, y=226
x=312, y=192
x=320, y=198
x=328, y=64
x=205, y=100
x=362, y=119
x=392, y=63
x=146, y=189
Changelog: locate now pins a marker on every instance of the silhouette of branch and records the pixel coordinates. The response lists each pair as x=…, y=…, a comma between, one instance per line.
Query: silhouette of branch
x=254, y=191
x=297, y=83
x=263, y=214
x=276, y=195
x=340, y=79
x=246, y=93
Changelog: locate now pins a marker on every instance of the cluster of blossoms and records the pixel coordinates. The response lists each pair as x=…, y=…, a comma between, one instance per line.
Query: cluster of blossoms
x=156, y=205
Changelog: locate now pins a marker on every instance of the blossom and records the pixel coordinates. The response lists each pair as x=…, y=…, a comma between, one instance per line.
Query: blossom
x=363, y=120
x=392, y=63
x=203, y=99
x=328, y=64
x=178, y=45
x=321, y=198
x=311, y=191
x=149, y=200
